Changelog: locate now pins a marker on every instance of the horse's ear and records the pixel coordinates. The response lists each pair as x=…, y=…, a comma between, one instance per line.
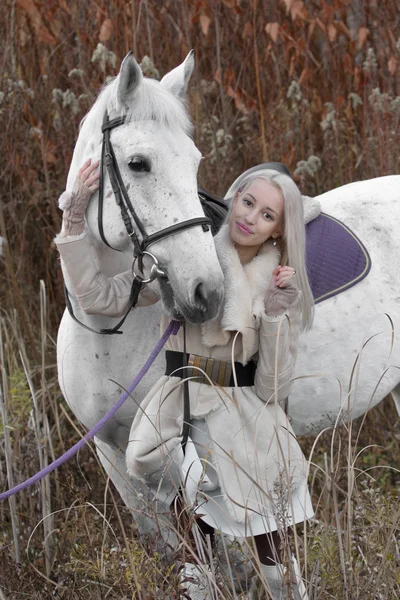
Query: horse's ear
x=130, y=78
x=176, y=81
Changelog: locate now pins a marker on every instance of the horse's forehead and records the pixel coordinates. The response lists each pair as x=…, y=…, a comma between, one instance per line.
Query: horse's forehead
x=154, y=134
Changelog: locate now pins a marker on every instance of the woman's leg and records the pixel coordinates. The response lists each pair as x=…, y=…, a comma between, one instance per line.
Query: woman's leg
x=269, y=553
x=195, y=574
x=185, y=523
x=206, y=530
x=268, y=548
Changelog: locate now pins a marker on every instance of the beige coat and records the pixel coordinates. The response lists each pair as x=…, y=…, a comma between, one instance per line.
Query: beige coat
x=252, y=447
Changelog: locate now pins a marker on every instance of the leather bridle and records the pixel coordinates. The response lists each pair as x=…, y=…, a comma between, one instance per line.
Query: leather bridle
x=123, y=201
x=128, y=214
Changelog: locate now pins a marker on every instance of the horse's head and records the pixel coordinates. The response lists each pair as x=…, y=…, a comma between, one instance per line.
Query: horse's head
x=158, y=163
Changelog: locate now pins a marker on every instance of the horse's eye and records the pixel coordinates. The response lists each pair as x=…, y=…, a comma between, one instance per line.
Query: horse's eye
x=138, y=164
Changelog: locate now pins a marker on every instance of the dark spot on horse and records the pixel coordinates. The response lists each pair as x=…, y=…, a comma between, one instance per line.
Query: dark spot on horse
x=96, y=355
x=128, y=186
x=109, y=194
x=121, y=234
x=106, y=353
x=175, y=220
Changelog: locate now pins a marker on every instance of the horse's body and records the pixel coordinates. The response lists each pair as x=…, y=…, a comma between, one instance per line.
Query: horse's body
x=371, y=209
x=93, y=369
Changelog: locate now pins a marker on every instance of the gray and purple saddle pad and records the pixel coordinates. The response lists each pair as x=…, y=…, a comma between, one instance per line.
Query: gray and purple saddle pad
x=336, y=258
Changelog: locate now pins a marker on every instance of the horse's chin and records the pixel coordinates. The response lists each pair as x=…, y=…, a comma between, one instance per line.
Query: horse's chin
x=168, y=300
x=179, y=312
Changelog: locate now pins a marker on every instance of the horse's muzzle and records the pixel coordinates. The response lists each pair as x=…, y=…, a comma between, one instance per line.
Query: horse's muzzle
x=204, y=306
x=201, y=306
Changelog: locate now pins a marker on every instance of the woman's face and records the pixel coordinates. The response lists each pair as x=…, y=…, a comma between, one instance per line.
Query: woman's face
x=257, y=214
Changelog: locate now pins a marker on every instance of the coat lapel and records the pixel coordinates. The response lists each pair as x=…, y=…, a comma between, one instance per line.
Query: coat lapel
x=245, y=288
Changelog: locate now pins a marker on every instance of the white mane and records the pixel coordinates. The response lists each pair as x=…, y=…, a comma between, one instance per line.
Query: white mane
x=151, y=103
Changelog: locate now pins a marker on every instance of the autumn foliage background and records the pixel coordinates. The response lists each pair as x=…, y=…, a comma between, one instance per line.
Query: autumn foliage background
x=275, y=80
x=314, y=84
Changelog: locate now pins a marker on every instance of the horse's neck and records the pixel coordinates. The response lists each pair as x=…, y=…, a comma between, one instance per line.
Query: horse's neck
x=86, y=147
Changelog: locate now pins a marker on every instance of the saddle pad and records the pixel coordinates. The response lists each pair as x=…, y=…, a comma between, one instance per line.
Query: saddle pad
x=336, y=259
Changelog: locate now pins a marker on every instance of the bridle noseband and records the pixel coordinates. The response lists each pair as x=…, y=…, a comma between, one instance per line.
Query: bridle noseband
x=128, y=213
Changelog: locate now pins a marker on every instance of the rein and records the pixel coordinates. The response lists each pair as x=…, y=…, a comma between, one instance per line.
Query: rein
x=172, y=329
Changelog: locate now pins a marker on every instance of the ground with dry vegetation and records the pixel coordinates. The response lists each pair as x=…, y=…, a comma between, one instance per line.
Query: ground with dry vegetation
x=315, y=84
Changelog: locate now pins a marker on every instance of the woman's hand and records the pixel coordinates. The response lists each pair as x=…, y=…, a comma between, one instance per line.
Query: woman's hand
x=88, y=175
x=282, y=291
x=74, y=204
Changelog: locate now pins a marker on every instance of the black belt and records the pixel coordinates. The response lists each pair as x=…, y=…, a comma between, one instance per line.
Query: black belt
x=219, y=372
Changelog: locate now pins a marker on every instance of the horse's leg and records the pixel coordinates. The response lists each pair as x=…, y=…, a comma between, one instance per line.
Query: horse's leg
x=396, y=398
x=154, y=522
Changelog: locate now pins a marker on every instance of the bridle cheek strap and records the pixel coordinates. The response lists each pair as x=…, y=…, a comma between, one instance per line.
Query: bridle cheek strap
x=123, y=201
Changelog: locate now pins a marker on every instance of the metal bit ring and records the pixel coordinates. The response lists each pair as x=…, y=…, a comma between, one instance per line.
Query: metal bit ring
x=155, y=270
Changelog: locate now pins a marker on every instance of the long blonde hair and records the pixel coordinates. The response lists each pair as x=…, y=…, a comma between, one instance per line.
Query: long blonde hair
x=293, y=240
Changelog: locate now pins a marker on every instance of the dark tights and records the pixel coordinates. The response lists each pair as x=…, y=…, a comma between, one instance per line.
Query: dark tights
x=267, y=545
x=268, y=548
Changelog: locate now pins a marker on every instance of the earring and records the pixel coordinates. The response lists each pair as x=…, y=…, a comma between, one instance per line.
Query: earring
x=274, y=242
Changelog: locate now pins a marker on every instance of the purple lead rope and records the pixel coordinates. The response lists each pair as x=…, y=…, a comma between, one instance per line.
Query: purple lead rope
x=172, y=329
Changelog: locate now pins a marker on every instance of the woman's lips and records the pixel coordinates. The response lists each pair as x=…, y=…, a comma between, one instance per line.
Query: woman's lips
x=243, y=228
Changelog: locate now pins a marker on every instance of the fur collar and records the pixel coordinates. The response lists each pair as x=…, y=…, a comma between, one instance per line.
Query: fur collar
x=245, y=289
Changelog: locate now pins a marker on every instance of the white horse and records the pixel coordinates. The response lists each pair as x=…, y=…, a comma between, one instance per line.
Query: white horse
x=89, y=364
x=156, y=134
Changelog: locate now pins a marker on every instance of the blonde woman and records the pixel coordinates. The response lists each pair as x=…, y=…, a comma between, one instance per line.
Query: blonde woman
x=244, y=471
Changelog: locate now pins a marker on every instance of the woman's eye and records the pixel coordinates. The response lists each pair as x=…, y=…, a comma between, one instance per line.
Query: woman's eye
x=247, y=202
x=268, y=216
x=139, y=164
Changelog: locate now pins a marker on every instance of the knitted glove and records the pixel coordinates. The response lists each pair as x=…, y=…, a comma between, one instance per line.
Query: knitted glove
x=74, y=204
x=278, y=299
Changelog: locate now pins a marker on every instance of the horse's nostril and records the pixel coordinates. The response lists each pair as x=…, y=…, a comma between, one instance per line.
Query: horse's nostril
x=200, y=296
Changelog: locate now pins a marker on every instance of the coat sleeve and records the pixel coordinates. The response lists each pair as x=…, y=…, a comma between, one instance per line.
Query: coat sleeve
x=96, y=293
x=277, y=354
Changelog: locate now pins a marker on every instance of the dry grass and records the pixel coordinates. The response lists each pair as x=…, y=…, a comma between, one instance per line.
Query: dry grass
x=76, y=539
x=314, y=84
